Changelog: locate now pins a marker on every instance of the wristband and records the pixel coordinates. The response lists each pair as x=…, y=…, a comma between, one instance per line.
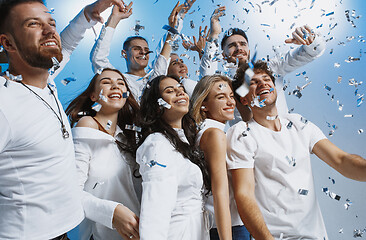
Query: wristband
x=170, y=29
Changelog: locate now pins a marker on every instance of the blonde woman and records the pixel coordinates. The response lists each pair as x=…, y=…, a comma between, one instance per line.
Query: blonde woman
x=212, y=105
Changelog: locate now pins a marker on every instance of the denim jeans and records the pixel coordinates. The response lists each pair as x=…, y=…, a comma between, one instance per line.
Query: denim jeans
x=238, y=232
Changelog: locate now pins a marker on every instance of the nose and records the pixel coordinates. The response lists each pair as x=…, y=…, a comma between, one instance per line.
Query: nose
x=230, y=101
x=48, y=29
x=114, y=85
x=180, y=91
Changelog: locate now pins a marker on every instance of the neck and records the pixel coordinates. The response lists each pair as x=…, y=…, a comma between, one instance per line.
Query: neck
x=260, y=116
x=174, y=122
x=137, y=72
x=104, y=118
x=32, y=76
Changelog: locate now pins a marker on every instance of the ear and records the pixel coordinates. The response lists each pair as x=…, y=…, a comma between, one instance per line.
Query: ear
x=7, y=43
x=204, y=108
x=124, y=54
x=244, y=101
x=93, y=97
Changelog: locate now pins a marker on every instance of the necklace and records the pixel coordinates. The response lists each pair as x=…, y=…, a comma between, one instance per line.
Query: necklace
x=65, y=133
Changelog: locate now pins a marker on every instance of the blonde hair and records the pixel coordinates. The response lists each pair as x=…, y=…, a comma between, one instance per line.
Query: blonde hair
x=200, y=94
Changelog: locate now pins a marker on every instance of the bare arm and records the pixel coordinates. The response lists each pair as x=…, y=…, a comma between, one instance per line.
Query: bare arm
x=349, y=165
x=244, y=184
x=213, y=144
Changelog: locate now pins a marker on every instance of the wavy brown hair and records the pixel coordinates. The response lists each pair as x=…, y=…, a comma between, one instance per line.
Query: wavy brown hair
x=82, y=106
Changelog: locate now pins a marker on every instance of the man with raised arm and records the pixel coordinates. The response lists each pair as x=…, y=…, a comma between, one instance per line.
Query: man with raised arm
x=269, y=158
x=235, y=49
x=39, y=197
x=136, y=49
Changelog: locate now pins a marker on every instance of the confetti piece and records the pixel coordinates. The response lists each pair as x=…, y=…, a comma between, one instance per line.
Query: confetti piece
x=96, y=107
x=360, y=131
x=303, y=191
x=327, y=87
x=133, y=127
x=67, y=80
x=337, y=65
x=255, y=102
x=137, y=27
x=51, y=11
x=289, y=125
x=125, y=94
x=291, y=161
x=348, y=115
x=347, y=204
x=155, y=163
x=333, y=181
x=55, y=65
x=163, y=103
x=109, y=125
x=102, y=97
x=12, y=77
x=339, y=80
x=328, y=14
x=191, y=23
x=222, y=86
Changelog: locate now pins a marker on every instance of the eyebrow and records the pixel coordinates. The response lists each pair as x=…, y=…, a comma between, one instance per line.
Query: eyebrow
x=168, y=87
x=37, y=19
x=108, y=78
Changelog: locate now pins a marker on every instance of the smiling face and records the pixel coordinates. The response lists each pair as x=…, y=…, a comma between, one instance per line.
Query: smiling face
x=236, y=47
x=34, y=35
x=173, y=93
x=220, y=103
x=108, y=91
x=261, y=85
x=137, y=54
x=177, y=67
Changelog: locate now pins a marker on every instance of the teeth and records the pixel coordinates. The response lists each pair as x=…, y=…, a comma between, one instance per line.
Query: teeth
x=182, y=101
x=49, y=44
x=263, y=92
x=115, y=96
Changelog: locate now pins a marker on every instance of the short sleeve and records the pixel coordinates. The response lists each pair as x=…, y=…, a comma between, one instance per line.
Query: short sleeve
x=5, y=136
x=315, y=135
x=156, y=157
x=241, y=147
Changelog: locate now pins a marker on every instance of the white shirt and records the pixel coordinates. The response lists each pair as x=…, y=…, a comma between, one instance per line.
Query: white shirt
x=171, y=205
x=106, y=178
x=278, y=179
x=39, y=198
x=209, y=204
x=99, y=58
x=280, y=65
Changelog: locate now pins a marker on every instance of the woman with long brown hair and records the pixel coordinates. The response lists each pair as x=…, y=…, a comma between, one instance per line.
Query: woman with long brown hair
x=105, y=145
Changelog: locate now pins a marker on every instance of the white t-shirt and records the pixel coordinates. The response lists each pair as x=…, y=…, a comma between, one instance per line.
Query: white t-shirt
x=106, y=178
x=282, y=170
x=39, y=198
x=172, y=204
x=209, y=203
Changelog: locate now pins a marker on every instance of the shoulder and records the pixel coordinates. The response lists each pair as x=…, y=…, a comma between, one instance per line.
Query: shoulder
x=87, y=121
x=213, y=135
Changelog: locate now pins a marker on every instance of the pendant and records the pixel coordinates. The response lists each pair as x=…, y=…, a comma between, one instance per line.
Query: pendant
x=65, y=133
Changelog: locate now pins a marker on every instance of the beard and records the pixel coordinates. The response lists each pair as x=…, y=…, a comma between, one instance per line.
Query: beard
x=37, y=57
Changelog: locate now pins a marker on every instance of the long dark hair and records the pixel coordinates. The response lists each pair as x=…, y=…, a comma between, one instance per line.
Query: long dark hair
x=152, y=121
x=82, y=106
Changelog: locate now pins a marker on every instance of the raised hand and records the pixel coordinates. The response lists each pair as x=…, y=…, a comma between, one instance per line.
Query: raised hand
x=215, y=27
x=118, y=14
x=93, y=11
x=199, y=45
x=302, y=36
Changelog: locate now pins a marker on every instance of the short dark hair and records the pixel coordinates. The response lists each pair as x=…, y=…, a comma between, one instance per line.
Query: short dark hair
x=127, y=42
x=233, y=31
x=5, y=8
x=239, y=78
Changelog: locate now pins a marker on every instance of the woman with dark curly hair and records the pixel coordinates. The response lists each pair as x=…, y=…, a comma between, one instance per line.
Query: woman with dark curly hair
x=173, y=170
x=104, y=150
